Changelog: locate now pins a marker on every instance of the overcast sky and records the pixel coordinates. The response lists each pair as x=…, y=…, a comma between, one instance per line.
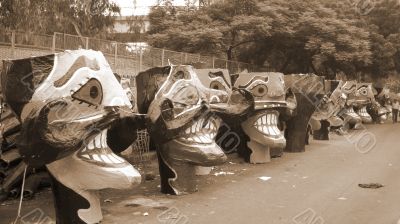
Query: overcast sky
x=142, y=6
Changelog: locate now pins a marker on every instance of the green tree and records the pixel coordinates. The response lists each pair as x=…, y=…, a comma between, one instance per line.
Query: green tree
x=218, y=29
x=89, y=17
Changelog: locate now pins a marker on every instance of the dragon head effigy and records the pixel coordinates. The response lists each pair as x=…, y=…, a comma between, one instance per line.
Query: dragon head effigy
x=362, y=97
x=309, y=89
x=350, y=117
x=326, y=114
x=262, y=124
x=183, y=122
x=66, y=102
x=379, y=109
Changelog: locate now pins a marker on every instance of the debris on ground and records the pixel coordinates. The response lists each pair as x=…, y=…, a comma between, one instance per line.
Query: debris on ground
x=371, y=185
x=149, y=177
x=223, y=173
x=264, y=178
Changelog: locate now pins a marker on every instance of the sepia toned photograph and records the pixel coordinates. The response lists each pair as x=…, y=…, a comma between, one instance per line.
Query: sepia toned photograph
x=199, y=111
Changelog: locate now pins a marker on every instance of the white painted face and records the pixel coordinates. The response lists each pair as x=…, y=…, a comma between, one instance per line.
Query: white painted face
x=84, y=75
x=82, y=80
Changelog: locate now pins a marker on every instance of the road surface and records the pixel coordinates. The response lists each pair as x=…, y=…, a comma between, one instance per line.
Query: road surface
x=315, y=187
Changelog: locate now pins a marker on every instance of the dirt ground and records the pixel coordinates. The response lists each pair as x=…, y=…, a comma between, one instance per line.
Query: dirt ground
x=315, y=187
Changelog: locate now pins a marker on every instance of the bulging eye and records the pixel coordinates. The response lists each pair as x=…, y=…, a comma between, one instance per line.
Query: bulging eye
x=187, y=95
x=217, y=85
x=91, y=93
x=363, y=91
x=259, y=90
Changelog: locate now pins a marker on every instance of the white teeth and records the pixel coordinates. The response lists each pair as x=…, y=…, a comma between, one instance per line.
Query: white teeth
x=105, y=159
x=271, y=130
x=104, y=139
x=264, y=119
x=90, y=145
x=98, y=141
x=200, y=124
x=97, y=158
x=113, y=159
x=269, y=120
x=277, y=130
x=117, y=157
x=187, y=131
x=190, y=139
x=265, y=129
x=208, y=125
x=86, y=156
x=259, y=122
x=204, y=139
x=194, y=128
x=196, y=139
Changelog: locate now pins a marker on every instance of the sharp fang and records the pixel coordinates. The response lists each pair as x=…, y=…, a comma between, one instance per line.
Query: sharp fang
x=208, y=125
x=90, y=145
x=104, y=139
x=193, y=130
x=97, y=158
x=199, y=123
x=105, y=159
x=97, y=140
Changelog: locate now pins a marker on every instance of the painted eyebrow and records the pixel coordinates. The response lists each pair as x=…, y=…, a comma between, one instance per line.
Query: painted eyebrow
x=219, y=74
x=263, y=78
x=80, y=62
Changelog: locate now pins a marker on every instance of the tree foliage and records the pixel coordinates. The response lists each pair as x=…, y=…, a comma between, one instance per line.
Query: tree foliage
x=87, y=17
x=321, y=36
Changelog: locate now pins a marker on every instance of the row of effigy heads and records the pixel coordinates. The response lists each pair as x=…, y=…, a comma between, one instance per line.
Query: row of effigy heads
x=76, y=119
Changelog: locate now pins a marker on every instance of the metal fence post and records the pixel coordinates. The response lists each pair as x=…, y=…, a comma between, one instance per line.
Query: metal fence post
x=87, y=43
x=115, y=54
x=13, y=44
x=140, y=59
x=53, y=46
x=64, y=42
x=162, y=57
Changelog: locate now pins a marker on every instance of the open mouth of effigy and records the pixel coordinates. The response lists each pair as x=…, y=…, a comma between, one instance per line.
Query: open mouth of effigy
x=268, y=124
x=202, y=131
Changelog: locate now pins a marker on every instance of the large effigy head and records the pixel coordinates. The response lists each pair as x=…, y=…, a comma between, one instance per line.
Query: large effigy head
x=271, y=99
x=331, y=104
x=65, y=103
x=183, y=122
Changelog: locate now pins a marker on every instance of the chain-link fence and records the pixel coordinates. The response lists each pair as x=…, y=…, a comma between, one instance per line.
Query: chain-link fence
x=126, y=59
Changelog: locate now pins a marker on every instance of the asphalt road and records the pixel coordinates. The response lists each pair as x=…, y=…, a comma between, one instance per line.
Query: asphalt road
x=315, y=187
